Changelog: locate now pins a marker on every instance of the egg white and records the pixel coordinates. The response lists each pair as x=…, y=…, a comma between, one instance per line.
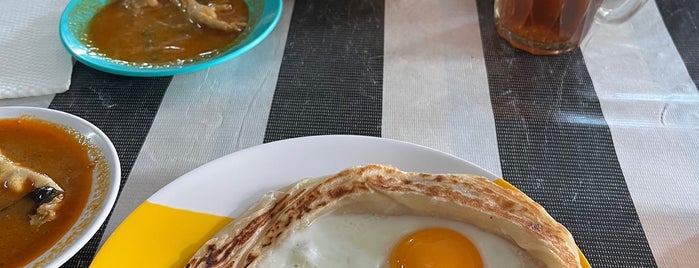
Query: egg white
x=354, y=240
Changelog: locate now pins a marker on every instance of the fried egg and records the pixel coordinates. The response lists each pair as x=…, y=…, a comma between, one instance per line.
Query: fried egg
x=352, y=240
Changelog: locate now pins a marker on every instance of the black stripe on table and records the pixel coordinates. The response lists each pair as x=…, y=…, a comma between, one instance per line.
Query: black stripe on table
x=682, y=21
x=331, y=75
x=124, y=109
x=555, y=145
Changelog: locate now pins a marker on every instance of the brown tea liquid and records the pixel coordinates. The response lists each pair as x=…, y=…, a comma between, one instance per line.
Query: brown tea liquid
x=544, y=27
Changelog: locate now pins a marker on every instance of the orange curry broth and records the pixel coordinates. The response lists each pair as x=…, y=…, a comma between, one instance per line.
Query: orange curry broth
x=158, y=35
x=52, y=150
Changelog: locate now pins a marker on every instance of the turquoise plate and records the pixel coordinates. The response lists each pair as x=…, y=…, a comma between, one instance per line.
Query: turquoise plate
x=264, y=16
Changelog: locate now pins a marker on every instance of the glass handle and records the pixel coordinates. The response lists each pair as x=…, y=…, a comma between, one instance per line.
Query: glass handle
x=617, y=11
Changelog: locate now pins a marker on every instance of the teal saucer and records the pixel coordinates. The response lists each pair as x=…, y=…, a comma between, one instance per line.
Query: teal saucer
x=264, y=16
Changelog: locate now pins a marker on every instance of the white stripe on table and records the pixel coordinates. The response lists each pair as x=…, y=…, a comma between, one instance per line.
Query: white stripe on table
x=203, y=117
x=652, y=108
x=443, y=103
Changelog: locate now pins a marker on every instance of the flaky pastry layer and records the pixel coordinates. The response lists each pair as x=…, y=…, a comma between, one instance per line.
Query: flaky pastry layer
x=379, y=189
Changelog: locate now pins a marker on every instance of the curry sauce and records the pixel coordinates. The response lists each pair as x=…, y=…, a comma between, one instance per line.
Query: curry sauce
x=159, y=34
x=59, y=153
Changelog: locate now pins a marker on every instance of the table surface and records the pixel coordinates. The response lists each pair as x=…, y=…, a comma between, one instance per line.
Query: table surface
x=605, y=137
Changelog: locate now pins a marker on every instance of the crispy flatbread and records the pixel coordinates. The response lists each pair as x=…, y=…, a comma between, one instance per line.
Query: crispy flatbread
x=378, y=189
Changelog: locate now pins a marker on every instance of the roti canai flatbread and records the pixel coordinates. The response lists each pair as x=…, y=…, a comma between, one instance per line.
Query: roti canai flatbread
x=378, y=189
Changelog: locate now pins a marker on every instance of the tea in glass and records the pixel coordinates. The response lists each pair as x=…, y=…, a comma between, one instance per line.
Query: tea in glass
x=544, y=27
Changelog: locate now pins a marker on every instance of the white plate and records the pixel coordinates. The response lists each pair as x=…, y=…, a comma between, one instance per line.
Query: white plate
x=228, y=185
x=171, y=225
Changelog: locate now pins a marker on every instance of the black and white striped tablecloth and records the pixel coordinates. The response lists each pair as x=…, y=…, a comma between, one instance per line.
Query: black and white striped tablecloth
x=605, y=137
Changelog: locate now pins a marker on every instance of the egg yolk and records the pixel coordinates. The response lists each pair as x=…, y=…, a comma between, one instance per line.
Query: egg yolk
x=435, y=247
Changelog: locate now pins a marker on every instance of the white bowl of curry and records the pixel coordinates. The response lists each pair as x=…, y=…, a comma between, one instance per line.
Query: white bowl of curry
x=60, y=177
x=164, y=37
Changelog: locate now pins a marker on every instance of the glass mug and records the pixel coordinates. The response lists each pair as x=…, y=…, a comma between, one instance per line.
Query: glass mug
x=553, y=27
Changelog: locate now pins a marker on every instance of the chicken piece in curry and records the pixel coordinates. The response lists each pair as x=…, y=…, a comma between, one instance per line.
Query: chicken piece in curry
x=157, y=32
x=46, y=176
x=20, y=182
x=205, y=15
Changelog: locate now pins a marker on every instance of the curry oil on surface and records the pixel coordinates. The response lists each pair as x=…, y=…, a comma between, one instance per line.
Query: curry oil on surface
x=159, y=34
x=52, y=150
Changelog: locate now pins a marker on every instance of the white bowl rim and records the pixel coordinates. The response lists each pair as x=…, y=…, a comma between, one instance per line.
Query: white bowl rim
x=99, y=139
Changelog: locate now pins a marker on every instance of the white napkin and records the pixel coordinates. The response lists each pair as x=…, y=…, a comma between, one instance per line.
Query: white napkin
x=32, y=59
